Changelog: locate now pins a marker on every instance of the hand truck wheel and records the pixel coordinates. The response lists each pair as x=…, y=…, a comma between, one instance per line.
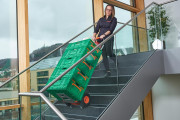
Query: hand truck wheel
x=85, y=101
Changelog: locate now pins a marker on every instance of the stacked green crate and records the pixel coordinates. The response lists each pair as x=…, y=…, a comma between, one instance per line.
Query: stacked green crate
x=75, y=82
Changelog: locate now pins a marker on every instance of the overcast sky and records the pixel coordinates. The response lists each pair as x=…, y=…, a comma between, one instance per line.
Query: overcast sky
x=8, y=34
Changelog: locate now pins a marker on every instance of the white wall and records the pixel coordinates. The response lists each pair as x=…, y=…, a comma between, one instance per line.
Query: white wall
x=166, y=98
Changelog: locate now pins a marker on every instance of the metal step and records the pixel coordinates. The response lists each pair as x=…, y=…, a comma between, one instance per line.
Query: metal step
x=105, y=88
x=110, y=80
x=90, y=111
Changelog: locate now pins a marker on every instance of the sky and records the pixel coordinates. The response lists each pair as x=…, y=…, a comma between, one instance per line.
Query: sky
x=8, y=32
x=54, y=21
x=50, y=22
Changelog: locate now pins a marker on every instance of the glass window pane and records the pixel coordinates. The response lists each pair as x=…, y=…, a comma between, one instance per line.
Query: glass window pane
x=42, y=80
x=8, y=39
x=127, y=38
x=52, y=23
x=138, y=114
x=42, y=73
x=8, y=59
x=121, y=14
x=55, y=22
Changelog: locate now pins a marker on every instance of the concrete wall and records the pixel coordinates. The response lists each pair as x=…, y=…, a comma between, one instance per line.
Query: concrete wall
x=166, y=98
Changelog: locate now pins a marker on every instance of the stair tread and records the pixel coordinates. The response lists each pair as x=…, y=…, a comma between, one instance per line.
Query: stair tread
x=72, y=116
x=106, y=85
x=113, y=76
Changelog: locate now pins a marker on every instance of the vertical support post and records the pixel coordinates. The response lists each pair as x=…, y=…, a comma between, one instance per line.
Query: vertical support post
x=98, y=9
x=135, y=34
x=141, y=20
x=23, y=51
x=98, y=13
x=143, y=42
x=148, y=109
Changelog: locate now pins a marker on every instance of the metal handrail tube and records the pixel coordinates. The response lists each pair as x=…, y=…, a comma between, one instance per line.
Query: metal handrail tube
x=167, y=2
x=48, y=55
x=47, y=101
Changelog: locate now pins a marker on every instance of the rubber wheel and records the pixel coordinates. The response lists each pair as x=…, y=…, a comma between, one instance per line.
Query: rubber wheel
x=85, y=101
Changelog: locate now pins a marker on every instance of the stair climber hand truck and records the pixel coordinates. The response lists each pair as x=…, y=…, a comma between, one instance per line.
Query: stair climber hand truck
x=71, y=88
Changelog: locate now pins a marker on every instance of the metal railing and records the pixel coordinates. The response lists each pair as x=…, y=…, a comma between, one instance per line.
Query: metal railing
x=4, y=83
x=47, y=101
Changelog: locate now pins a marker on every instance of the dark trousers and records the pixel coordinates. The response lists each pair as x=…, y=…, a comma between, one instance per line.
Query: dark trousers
x=108, y=51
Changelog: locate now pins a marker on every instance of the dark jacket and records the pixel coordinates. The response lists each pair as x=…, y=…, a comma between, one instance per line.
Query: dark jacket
x=105, y=25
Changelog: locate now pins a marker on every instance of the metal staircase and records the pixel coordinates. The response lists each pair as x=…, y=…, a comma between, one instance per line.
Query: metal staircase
x=102, y=89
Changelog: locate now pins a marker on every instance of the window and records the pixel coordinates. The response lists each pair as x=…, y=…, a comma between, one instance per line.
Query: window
x=42, y=73
x=122, y=15
x=53, y=22
x=126, y=39
x=42, y=80
x=40, y=87
x=8, y=58
x=8, y=39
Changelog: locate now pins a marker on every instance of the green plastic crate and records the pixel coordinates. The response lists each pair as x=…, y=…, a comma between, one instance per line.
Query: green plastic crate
x=70, y=53
x=79, y=44
x=75, y=82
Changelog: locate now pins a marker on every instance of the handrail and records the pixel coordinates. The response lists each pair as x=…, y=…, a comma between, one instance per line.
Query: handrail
x=167, y=2
x=102, y=43
x=55, y=51
x=9, y=107
x=47, y=101
x=52, y=52
x=46, y=55
x=133, y=26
